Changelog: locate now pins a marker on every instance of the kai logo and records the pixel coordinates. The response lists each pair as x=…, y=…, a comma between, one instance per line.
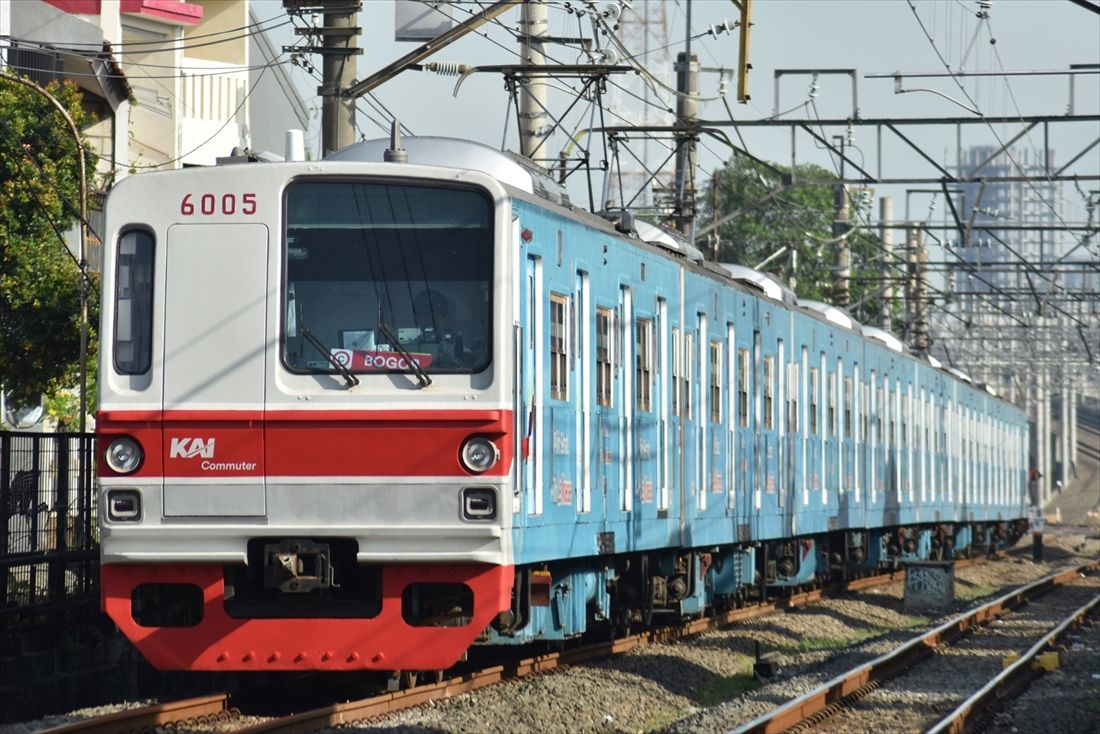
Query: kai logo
x=189, y=448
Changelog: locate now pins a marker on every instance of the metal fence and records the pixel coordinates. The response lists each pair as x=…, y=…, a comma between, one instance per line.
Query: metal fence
x=49, y=545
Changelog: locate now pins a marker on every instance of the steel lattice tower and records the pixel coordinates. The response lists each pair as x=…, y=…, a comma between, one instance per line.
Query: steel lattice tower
x=643, y=30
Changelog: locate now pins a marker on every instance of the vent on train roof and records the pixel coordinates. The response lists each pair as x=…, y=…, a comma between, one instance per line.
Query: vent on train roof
x=960, y=374
x=429, y=150
x=884, y=337
x=771, y=287
x=831, y=313
x=661, y=237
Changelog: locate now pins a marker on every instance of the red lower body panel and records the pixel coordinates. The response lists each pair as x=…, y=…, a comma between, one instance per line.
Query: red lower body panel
x=383, y=642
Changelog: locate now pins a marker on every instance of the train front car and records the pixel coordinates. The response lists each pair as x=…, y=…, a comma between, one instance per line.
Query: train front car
x=305, y=426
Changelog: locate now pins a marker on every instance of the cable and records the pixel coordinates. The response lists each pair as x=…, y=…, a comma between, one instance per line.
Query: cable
x=230, y=118
x=184, y=41
x=1007, y=152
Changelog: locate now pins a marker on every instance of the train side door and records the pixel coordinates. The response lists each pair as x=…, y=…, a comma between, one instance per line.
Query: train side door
x=215, y=348
x=531, y=378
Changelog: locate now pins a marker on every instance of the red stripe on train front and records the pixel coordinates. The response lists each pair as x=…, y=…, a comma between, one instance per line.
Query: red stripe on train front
x=384, y=642
x=386, y=443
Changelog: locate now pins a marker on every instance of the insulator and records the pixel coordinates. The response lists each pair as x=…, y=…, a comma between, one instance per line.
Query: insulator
x=447, y=68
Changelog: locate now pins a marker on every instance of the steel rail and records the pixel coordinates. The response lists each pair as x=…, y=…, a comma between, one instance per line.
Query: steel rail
x=148, y=717
x=862, y=678
x=1012, y=679
x=351, y=711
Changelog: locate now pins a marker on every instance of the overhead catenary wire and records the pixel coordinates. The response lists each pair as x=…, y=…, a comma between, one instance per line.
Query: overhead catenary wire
x=1008, y=154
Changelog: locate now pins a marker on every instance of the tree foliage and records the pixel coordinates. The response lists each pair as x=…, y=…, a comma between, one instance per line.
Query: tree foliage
x=773, y=214
x=40, y=281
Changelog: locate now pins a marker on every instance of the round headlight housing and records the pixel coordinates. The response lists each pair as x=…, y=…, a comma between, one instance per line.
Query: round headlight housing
x=124, y=455
x=479, y=454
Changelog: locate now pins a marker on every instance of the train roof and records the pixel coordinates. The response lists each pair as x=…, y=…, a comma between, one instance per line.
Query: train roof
x=430, y=150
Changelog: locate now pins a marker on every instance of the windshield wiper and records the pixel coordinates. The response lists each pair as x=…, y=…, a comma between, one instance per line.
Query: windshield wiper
x=351, y=379
x=421, y=375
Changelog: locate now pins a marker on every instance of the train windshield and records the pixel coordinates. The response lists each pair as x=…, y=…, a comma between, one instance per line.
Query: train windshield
x=378, y=274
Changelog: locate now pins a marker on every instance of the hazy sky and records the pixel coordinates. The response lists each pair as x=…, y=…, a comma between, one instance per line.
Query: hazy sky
x=870, y=36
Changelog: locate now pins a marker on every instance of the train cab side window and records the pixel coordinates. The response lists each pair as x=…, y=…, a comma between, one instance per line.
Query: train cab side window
x=559, y=347
x=643, y=358
x=133, y=328
x=603, y=356
x=769, y=393
x=743, y=387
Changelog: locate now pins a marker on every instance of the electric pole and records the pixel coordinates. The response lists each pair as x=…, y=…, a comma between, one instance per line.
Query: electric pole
x=886, y=234
x=687, y=84
x=842, y=264
x=337, y=35
x=534, y=26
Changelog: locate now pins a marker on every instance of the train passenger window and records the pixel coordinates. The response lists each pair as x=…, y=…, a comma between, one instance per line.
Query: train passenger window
x=813, y=400
x=792, y=393
x=379, y=275
x=905, y=418
x=865, y=414
x=848, y=399
x=643, y=359
x=677, y=369
x=743, y=388
x=687, y=373
x=133, y=327
x=830, y=418
x=715, y=382
x=603, y=356
x=559, y=348
x=769, y=392
x=880, y=405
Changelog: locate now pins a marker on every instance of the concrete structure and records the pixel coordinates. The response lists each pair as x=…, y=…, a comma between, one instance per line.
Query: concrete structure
x=175, y=79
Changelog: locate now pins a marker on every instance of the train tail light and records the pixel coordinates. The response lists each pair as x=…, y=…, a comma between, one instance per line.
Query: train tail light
x=124, y=505
x=479, y=503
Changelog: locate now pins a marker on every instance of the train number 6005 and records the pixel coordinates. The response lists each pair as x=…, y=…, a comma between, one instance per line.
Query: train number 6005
x=210, y=204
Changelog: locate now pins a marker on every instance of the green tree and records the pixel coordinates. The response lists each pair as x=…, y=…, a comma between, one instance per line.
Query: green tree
x=774, y=214
x=40, y=281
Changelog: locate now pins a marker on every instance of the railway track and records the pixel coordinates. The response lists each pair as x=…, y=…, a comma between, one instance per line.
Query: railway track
x=892, y=691
x=214, y=712
x=199, y=712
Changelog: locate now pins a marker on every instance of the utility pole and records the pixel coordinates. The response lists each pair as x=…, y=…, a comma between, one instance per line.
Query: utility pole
x=534, y=27
x=338, y=35
x=916, y=291
x=842, y=264
x=886, y=234
x=687, y=83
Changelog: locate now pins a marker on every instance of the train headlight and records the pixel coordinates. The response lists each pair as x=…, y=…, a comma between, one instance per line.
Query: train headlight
x=124, y=455
x=479, y=454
